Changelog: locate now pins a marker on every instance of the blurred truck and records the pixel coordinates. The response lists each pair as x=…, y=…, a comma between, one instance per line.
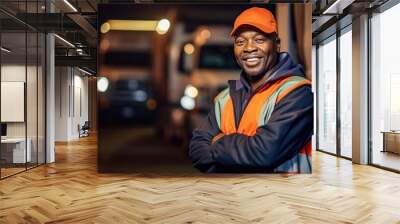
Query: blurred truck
x=201, y=63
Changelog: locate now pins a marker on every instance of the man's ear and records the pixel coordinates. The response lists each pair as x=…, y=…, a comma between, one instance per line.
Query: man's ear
x=278, y=44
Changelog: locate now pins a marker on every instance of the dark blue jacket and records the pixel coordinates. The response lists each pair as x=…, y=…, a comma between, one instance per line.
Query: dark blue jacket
x=289, y=128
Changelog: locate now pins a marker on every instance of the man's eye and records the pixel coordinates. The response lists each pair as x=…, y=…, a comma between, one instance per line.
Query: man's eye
x=239, y=42
x=259, y=41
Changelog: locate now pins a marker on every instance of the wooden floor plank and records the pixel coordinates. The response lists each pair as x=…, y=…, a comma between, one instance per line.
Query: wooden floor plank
x=71, y=191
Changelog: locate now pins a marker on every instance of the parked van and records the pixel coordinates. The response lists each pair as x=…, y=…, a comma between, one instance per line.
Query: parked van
x=201, y=63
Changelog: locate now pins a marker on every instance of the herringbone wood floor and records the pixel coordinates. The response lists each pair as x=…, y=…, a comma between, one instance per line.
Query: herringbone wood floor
x=71, y=191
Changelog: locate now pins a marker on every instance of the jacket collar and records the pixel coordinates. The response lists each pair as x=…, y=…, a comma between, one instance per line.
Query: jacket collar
x=283, y=68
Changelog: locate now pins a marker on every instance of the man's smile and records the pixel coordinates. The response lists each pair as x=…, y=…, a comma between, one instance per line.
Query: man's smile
x=252, y=61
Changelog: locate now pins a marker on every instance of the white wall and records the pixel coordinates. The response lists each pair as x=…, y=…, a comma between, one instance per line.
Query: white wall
x=13, y=73
x=61, y=103
x=16, y=73
x=71, y=93
x=33, y=126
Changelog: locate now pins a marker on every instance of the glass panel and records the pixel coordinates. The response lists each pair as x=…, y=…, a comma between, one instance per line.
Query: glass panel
x=346, y=94
x=314, y=86
x=31, y=100
x=41, y=89
x=41, y=98
x=327, y=96
x=385, y=84
x=23, y=88
x=13, y=86
x=32, y=86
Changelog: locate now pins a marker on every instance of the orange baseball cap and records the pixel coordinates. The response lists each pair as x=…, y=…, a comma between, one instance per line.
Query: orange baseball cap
x=260, y=18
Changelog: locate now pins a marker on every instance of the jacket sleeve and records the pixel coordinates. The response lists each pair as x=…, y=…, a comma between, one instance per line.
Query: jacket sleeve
x=289, y=128
x=200, y=144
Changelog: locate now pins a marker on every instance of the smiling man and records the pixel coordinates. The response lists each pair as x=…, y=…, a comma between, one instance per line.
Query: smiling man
x=262, y=122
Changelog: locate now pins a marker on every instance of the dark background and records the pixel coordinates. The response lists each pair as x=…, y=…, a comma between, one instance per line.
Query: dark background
x=144, y=127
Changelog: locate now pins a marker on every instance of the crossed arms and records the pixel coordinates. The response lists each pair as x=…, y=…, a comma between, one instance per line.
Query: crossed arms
x=289, y=128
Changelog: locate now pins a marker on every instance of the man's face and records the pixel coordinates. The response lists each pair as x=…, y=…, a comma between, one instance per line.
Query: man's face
x=255, y=52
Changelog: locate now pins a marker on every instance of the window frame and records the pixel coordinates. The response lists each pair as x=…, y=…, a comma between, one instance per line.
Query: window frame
x=333, y=37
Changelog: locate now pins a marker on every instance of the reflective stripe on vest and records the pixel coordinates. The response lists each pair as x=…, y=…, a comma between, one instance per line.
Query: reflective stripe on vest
x=257, y=113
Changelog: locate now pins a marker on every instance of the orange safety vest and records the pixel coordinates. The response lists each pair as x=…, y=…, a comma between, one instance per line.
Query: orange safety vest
x=258, y=112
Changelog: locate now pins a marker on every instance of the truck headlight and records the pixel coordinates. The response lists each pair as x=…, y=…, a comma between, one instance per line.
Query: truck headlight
x=191, y=91
x=188, y=103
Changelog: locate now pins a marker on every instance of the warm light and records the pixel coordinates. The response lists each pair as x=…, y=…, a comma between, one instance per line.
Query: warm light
x=202, y=35
x=104, y=45
x=191, y=91
x=163, y=26
x=131, y=25
x=151, y=104
x=105, y=28
x=187, y=103
x=178, y=117
x=189, y=49
x=102, y=84
x=205, y=33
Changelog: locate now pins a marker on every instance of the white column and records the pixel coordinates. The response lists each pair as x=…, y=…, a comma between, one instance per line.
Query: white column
x=50, y=92
x=360, y=90
x=63, y=103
